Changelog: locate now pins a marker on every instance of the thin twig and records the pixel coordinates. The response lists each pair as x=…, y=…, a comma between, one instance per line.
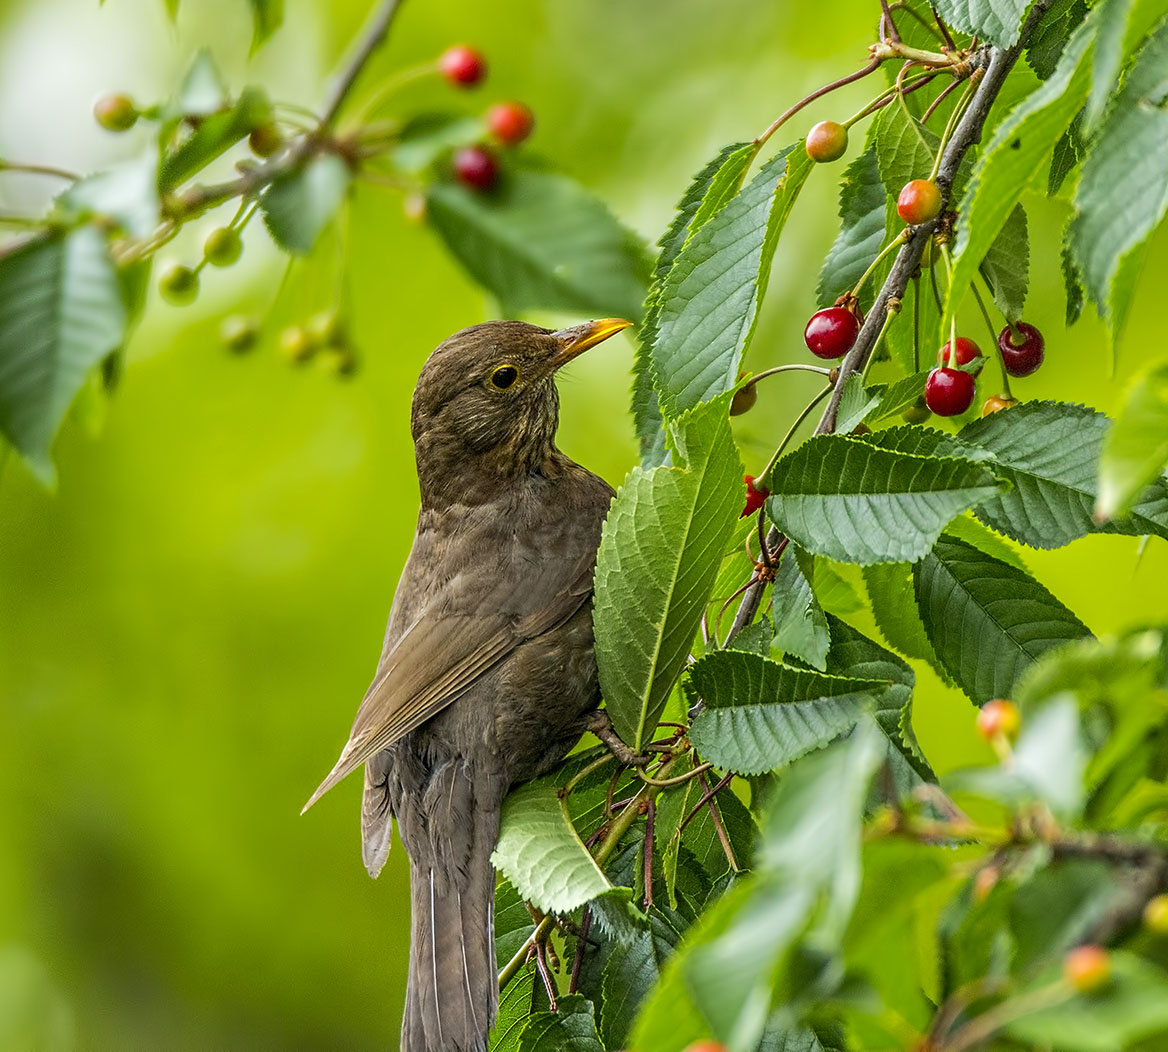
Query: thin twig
x=373, y=37
x=719, y=828
x=647, y=851
x=581, y=947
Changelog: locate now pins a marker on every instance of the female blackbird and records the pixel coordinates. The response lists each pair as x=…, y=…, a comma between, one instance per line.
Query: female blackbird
x=487, y=671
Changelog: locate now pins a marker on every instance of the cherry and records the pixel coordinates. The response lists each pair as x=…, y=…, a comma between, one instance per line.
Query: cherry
x=223, y=246
x=996, y=402
x=949, y=392
x=1021, y=358
x=827, y=141
x=297, y=344
x=1156, y=915
x=476, y=167
x=462, y=66
x=510, y=122
x=1087, y=968
x=831, y=332
x=239, y=333
x=985, y=882
x=340, y=360
x=999, y=718
x=179, y=285
x=917, y=413
x=756, y=495
x=265, y=139
x=744, y=398
x=115, y=113
x=327, y=329
x=967, y=351
x=707, y=1046
x=919, y=201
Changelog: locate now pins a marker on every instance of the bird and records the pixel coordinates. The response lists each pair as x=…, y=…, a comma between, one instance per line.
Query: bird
x=487, y=675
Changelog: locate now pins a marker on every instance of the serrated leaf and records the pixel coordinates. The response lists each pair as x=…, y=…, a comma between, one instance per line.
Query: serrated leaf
x=987, y=620
x=1105, y=66
x=570, y=1028
x=298, y=206
x=1123, y=191
x=760, y=715
x=862, y=222
x=800, y=627
x=894, y=608
x=708, y=191
x=709, y=301
x=905, y=149
x=1135, y=451
x=1049, y=452
x=659, y=556
x=1018, y=149
x=998, y=21
x=214, y=135
x=1051, y=34
x=1068, y=151
x=61, y=313
x=898, y=396
x=540, y=852
x=1006, y=266
x=516, y=1004
x=633, y=970
x=267, y=16
x=126, y=194
x=852, y=501
x=203, y=90
x=540, y=240
x=856, y=402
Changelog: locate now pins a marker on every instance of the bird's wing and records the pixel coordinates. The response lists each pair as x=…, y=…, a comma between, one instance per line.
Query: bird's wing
x=442, y=653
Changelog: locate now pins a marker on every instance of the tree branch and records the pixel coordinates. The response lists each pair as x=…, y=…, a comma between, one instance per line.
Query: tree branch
x=966, y=134
x=374, y=36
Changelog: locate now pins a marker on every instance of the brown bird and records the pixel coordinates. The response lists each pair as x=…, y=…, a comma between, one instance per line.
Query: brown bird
x=487, y=673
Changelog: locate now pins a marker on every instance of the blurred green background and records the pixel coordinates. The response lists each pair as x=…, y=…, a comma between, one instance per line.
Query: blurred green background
x=187, y=625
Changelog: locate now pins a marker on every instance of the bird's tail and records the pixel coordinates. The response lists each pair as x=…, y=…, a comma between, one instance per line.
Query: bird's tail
x=453, y=990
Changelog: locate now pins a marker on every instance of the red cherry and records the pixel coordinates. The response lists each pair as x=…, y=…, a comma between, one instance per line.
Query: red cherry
x=999, y=717
x=831, y=332
x=707, y=1046
x=949, y=392
x=967, y=351
x=919, y=201
x=476, y=167
x=1021, y=359
x=756, y=496
x=1087, y=968
x=510, y=122
x=462, y=66
x=827, y=141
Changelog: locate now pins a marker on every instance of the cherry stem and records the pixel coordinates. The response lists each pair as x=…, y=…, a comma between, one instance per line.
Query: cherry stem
x=892, y=245
x=394, y=84
x=794, y=367
x=916, y=324
x=39, y=169
x=782, y=119
x=954, y=119
x=944, y=30
x=806, y=411
x=911, y=84
x=993, y=339
x=949, y=89
x=928, y=26
x=373, y=37
x=952, y=361
x=887, y=49
x=886, y=20
x=891, y=312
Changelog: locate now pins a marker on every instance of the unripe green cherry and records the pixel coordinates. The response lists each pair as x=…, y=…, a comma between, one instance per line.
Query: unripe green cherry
x=239, y=333
x=327, y=329
x=223, y=246
x=116, y=113
x=265, y=139
x=1156, y=915
x=178, y=284
x=827, y=141
x=297, y=344
x=339, y=360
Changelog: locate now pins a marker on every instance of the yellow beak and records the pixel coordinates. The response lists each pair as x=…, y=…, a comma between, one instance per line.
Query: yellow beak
x=579, y=338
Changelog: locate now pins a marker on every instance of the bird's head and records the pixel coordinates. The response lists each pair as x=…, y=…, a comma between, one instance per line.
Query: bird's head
x=486, y=403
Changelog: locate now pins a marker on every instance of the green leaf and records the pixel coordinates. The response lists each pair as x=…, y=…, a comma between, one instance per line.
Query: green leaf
x=987, y=620
x=516, y=1004
x=267, y=17
x=127, y=194
x=894, y=608
x=1112, y=24
x=1135, y=450
x=708, y=192
x=1019, y=149
x=541, y=854
x=633, y=970
x=540, y=240
x=425, y=137
x=998, y=21
x=1051, y=34
x=658, y=559
x=905, y=149
x=1006, y=266
x=61, y=313
x=1132, y=1006
x=570, y=1028
x=708, y=304
x=213, y=136
x=1049, y=452
x=855, y=404
x=857, y=503
x=299, y=205
x=1068, y=152
x=760, y=715
x=203, y=90
x=862, y=206
x=1123, y=193
x=800, y=625
x=898, y=396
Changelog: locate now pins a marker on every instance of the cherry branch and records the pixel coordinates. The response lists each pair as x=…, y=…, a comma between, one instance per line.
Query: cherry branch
x=997, y=64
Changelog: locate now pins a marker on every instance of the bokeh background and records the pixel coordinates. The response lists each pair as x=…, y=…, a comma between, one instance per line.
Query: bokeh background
x=188, y=623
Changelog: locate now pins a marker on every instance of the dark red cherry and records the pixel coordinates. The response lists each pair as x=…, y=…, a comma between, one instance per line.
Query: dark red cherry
x=949, y=392
x=1021, y=356
x=831, y=332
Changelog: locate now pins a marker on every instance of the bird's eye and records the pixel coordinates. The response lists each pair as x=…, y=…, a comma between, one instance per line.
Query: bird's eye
x=504, y=376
